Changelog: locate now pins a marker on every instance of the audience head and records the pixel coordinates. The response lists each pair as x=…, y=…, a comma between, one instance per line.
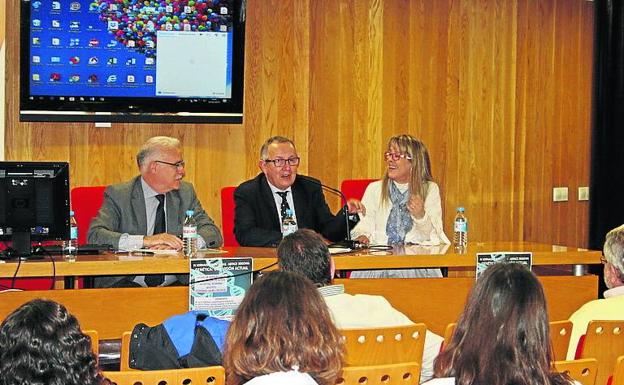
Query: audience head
x=306, y=253
x=41, y=343
x=502, y=337
x=408, y=161
x=282, y=324
x=279, y=161
x=613, y=251
x=161, y=164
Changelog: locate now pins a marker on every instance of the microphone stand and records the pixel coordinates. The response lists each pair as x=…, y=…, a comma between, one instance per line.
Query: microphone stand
x=348, y=242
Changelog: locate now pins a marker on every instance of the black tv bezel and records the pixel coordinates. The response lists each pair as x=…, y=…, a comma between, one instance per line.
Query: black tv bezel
x=130, y=109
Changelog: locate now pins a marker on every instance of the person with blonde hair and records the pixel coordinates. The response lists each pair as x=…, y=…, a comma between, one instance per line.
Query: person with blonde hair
x=503, y=335
x=404, y=207
x=282, y=333
x=41, y=343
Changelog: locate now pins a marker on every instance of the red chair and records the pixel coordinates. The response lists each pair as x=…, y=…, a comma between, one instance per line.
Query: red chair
x=86, y=202
x=354, y=188
x=227, y=216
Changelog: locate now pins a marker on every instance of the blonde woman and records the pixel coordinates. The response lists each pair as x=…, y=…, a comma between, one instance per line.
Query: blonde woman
x=404, y=207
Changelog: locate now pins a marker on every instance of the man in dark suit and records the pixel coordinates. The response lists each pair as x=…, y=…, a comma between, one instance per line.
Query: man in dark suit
x=262, y=202
x=149, y=210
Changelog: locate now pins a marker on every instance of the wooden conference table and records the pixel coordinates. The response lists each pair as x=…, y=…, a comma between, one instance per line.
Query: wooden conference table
x=435, y=301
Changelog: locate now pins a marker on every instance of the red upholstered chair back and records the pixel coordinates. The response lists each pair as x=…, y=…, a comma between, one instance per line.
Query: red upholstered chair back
x=86, y=202
x=354, y=188
x=227, y=216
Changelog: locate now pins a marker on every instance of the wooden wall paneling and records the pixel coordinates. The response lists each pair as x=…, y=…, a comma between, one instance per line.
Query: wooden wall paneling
x=499, y=91
x=2, y=21
x=538, y=84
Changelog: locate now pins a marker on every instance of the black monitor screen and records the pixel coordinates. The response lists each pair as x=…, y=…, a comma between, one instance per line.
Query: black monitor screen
x=132, y=60
x=34, y=200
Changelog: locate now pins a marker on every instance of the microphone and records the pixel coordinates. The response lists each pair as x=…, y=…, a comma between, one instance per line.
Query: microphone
x=347, y=242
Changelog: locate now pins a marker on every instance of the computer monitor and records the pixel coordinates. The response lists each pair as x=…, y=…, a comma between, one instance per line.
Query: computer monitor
x=34, y=203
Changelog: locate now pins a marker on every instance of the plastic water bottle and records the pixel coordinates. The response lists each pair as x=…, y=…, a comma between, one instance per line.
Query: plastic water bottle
x=189, y=235
x=460, y=230
x=289, y=225
x=70, y=246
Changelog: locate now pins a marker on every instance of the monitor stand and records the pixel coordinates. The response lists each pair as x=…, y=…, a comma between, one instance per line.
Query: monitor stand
x=21, y=247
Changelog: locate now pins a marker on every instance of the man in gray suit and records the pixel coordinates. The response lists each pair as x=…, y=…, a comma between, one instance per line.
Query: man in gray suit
x=148, y=211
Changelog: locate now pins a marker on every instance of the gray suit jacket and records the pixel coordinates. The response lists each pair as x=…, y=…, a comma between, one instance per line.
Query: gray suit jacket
x=123, y=211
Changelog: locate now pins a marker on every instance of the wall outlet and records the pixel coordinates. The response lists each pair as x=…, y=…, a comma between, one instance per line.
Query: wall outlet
x=560, y=194
x=583, y=193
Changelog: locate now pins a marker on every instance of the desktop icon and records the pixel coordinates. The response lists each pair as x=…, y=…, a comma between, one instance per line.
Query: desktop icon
x=74, y=60
x=73, y=25
x=74, y=6
x=55, y=59
x=113, y=25
x=130, y=43
x=111, y=79
x=36, y=4
x=56, y=5
x=93, y=42
x=55, y=77
x=36, y=59
x=74, y=42
x=130, y=79
x=93, y=60
x=131, y=61
x=36, y=77
x=111, y=61
x=56, y=24
x=93, y=78
x=36, y=41
x=149, y=61
x=224, y=10
x=36, y=23
x=112, y=44
x=75, y=78
x=56, y=41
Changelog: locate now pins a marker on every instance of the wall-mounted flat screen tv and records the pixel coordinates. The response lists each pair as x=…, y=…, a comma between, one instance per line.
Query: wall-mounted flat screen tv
x=132, y=60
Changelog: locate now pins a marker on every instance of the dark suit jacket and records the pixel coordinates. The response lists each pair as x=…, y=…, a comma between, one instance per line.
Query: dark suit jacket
x=123, y=211
x=257, y=223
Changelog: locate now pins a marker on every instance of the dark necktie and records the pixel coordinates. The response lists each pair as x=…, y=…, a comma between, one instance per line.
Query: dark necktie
x=284, y=205
x=159, y=220
x=159, y=227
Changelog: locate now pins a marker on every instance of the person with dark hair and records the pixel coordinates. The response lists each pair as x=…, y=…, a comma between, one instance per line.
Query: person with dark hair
x=304, y=252
x=404, y=207
x=503, y=334
x=612, y=306
x=264, y=201
x=282, y=334
x=41, y=343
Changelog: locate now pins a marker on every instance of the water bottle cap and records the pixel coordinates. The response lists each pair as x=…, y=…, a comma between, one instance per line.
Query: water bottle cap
x=71, y=213
x=460, y=209
x=190, y=213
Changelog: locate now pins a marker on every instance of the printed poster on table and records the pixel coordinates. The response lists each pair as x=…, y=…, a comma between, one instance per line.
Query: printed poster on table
x=484, y=260
x=218, y=285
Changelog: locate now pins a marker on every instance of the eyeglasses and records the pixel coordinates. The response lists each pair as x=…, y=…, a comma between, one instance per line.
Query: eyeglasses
x=178, y=164
x=279, y=162
x=603, y=260
x=396, y=156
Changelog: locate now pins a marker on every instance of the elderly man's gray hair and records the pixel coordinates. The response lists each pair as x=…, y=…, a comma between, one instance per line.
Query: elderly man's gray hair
x=152, y=147
x=614, y=248
x=274, y=139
